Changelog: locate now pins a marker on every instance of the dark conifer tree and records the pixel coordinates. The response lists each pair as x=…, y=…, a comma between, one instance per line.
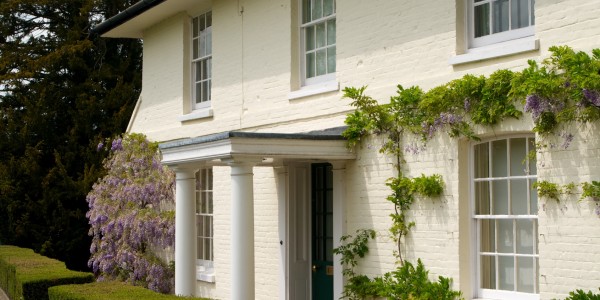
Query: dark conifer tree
x=62, y=91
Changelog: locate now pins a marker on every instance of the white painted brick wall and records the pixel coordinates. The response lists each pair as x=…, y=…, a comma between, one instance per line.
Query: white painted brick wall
x=380, y=43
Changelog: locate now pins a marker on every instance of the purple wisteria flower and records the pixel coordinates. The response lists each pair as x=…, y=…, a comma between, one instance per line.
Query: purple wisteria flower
x=117, y=145
x=592, y=96
x=125, y=219
x=567, y=139
x=100, y=146
x=439, y=122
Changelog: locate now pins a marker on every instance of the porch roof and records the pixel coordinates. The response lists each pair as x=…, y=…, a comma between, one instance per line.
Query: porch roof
x=327, y=144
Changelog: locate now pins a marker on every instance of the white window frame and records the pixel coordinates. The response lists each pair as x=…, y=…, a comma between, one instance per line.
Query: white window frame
x=321, y=80
x=496, y=293
x=494, y=38
x=204, y=185
x=207, y=35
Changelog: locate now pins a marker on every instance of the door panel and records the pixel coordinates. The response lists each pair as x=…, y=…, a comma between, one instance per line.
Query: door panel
x=299, y=226
x=322, y=231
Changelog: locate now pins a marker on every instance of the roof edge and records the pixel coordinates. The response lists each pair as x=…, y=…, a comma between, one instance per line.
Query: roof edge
x=124, y=16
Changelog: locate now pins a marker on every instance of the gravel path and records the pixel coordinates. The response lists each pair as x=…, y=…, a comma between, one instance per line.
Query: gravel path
x=3, y=295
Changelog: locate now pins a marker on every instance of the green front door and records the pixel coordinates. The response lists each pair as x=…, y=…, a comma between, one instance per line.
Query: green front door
x=322, y=232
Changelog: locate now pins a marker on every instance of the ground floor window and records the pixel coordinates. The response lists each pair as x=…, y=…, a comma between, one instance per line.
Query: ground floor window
x=506, y=218
x=204, y=224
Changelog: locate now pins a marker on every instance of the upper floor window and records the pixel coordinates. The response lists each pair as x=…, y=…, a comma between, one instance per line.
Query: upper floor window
x=494, y=21
x=506, y=217
x=318, y=41
x=201, y=60
x=204, y=224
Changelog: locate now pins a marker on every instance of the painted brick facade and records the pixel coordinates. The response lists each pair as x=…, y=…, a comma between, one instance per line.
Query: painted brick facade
x=380, y=43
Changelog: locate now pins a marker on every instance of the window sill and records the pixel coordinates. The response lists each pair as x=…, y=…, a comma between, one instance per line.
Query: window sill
x=314, y=89
x=197, y=114
x=206, y=277
x=496, y=50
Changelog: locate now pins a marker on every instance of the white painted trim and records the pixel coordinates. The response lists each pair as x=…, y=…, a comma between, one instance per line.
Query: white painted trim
x=339, y=224
x=259, y=148
x=497, y=50
x=196, y=114
x=282, y=198
x=315, y=89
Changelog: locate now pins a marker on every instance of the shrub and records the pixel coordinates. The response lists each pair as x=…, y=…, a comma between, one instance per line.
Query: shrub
x=106, y=290
x=28, y=275
x=581, y=295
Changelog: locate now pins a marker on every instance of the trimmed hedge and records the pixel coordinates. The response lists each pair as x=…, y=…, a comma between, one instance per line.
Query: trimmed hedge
x=107, y=290
x=27, y=275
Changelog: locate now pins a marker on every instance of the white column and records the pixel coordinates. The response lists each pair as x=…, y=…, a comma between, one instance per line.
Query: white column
x=242, y=231
x=185, y=232
x=339, y=224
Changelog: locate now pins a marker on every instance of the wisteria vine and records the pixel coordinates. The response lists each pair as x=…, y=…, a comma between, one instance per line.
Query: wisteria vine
x=125, y=215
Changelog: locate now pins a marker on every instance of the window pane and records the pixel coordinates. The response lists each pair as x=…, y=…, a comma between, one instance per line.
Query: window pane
x=518, y=154
x=207, y=225
x=199, y=248
x=306, y=9
x=310, y=38
x=519, y=14
x=525, y=238
x=310, y=65
x=201, y=21
x=500, y=197
x=204, y=91
x=506, y=273
x=499, y=162
x=518, y=197
x=330, y=32
x=329, y=249
x=331, y=59
x=532, y=160
x=505, y=236
x=329, y=202
x=198, y=68
x=199, y=224
x=207, y=252
x=329, y=225
x=488, y=235
x=199, y=87
x=481, y=160
x=482, y=198
x=488, y=272
x=208, y=19
x=525, y=274
x=208, y=39
x=317, y=9
x=202, y=46
x=533, y=198
x=204, y=65
x=209, y=72
x=482, y=20
x=195, y=48
x=321, y=62
x=327, y=7
x=500, y=15
x=210, y=202
x=321, y=37
x=194, y=27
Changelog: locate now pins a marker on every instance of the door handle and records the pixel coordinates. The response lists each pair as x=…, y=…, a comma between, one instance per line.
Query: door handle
x=315, y=268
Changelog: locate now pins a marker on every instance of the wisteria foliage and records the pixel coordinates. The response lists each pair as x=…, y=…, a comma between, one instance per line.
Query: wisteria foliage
x=125, y=215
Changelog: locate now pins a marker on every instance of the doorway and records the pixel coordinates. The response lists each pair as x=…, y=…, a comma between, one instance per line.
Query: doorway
x=322, y=231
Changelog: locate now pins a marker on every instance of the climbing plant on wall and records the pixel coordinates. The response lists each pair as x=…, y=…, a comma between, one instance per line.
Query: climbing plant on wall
x=127, y=223
x=560, y=90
